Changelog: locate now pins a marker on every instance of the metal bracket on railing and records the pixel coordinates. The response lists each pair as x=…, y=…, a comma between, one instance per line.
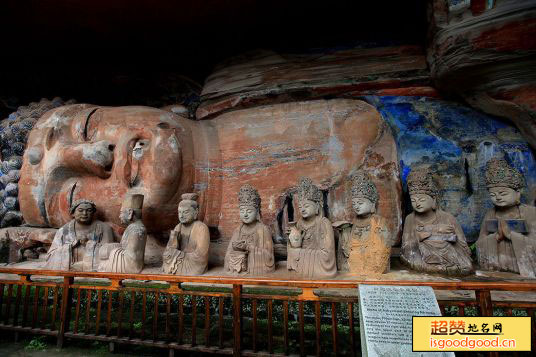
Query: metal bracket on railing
x=25, y=278
x=116, y=283
x=175, y=288
x=308, y=295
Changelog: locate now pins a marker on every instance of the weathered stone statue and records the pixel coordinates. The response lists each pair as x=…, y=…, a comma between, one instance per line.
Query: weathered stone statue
x=364, y=245
x=187, y=250
x=432, y=241
x=311, y=248
x=76, y=245
x=507, y=240
x=251, y=247
x=127, y=256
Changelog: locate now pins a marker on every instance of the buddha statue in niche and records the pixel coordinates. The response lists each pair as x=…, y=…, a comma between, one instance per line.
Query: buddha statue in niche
x=127, y=256
x=187, y=250
x=76, y=245
x=251, y=248
x=364, y=245
x=507, y=240
x=432, y=240
x=311, y=247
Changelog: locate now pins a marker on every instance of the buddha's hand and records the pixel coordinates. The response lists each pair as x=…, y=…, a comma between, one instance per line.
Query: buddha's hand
x=504, y=231
x=445, y=229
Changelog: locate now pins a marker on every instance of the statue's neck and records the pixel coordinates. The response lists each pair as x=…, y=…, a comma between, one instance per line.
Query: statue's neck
x=510, y=211
x=426, y=217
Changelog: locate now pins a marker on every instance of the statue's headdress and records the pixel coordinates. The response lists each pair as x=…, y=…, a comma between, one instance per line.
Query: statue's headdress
x=80, y=202
x=189, y=198
x=134, y=201
x=500, y=174
x=308, y=191
x=421, y=180
x=362, y=186
x=248, y=196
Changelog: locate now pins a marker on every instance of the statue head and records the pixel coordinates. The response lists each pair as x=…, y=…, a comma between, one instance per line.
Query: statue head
x=364, y=194
x=188, y=208
x=102, y=154
x=131, y=209
x=83, y=211
x=504, y=183
x=310, y=198
x=249, y=203
x=422, y=190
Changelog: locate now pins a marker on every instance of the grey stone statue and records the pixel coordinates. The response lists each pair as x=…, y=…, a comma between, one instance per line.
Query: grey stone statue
x=187, y=250
x=127, y=256
x=76, y=245
x=251, y=247
x=507, y=240
x=432, y=240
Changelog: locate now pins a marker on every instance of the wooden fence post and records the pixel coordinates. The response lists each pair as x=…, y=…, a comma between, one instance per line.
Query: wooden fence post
x=65, y=313
x=237, y=319
x=483, y=297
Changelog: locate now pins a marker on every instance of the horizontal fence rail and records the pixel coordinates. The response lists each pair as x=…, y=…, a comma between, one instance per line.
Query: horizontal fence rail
x=244, y=316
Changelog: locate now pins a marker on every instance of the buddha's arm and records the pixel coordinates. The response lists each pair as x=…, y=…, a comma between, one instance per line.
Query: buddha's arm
x=107, y=234
x=57, y=242
x=202, y=243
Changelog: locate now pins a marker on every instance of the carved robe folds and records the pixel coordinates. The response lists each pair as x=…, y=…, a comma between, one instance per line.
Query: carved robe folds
x=364, y=250
x=127, y=256
x=516, y=255
x=316, y=257
x=187, y=254
x=256, y=256
x=84, y=256
x=426, y=249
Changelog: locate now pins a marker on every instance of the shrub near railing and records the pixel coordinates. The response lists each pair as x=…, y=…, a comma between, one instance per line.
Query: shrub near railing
x=246, y=316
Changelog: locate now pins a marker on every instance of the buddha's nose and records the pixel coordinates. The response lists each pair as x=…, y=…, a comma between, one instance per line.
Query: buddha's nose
x=95, y=158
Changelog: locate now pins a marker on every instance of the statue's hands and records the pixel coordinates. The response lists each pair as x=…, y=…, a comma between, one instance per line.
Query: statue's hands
x=445, y=229
x=240, y=245
x=504, y=229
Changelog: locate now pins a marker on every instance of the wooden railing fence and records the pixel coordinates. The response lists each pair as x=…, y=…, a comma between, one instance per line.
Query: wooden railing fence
x=241, y=317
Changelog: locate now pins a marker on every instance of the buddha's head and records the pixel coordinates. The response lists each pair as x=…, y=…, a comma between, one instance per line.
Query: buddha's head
x=504, y=183
x=310, y=199
x=422, y=190
x=83, y=211
x=131, y=209
x=104, y=154
x=249, y=203
x=188, y=208
x=364, y=194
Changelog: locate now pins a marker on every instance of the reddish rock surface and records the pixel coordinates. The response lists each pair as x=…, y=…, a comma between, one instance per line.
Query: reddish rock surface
x=269, y=77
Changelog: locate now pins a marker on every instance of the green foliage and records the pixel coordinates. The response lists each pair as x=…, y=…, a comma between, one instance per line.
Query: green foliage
x=37, y=344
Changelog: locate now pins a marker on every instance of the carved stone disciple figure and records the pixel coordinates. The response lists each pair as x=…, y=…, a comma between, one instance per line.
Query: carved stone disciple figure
x=311, y=248
x=507, y=240
x=127, y=256
x=364, y=246
x=432, y=241
x=76, y=244
x=251, y=247
x=187, y=250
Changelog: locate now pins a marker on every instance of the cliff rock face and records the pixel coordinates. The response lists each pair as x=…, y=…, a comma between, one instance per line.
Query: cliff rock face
x=485, y=52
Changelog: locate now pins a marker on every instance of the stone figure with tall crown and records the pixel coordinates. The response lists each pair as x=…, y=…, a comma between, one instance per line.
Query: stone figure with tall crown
x=127, y=256
x=432, y=241
x=76, y=244
x=311, y=247
x=507, y=240
x=187, y=250
x=364, y=246
x=251, y=247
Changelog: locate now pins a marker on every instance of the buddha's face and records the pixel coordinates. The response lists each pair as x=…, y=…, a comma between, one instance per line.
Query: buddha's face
x=504, y=196
x=308, y=208
x=248, y=214
x=103, y=154
x=362, y=206
x=422, y=203
x=125, y=216
x=187, y=213
x=83, y=213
